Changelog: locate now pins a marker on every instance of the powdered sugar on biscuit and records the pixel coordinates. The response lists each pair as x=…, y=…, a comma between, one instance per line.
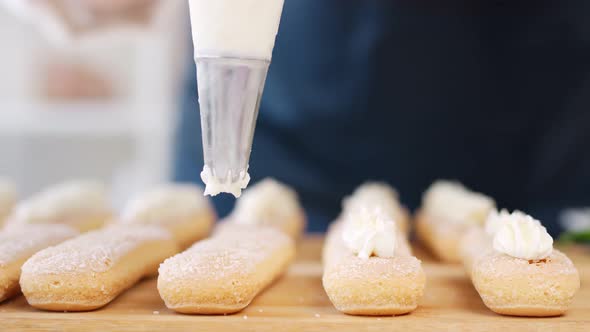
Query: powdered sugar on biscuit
x=496, y=264
x=20, y=242
x=95, y=251
x=227, y=254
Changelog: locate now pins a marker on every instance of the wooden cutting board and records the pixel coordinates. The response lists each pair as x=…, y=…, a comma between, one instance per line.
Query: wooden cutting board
x=298, y=302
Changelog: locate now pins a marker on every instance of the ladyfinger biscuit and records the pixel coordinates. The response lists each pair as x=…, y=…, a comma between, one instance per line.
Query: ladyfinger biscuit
x=89, y=271
x=80, y=204
x=368, y=265
x=223, y=274
x=20, y=243
x=7, y=199
x=448, y=211
x=372, y=286
x=269, y=203
x=518, y=287
x=182, y=209
x=523, y=275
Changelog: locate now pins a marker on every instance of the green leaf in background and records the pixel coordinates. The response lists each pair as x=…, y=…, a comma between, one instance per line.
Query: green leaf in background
x=577, y=237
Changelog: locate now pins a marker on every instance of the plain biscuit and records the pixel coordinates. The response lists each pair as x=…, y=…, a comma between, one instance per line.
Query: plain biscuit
x=180, y=208
x=18, y=244
x=89, y=271
x=448, y=211
x=269, y=203
x=223, y=274
x=440, y=237
x=82, y=205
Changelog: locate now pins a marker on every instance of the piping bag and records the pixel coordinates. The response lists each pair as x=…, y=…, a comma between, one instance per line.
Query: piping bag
x=233, y=40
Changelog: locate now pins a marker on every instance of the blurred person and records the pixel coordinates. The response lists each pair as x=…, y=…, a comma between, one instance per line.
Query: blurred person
x=495, y=94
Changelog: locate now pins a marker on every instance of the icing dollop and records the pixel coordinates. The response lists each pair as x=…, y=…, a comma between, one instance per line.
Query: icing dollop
x=215, y=186
x=455, y=203
x=370, y=232
x=522, y=236
x=266, y=203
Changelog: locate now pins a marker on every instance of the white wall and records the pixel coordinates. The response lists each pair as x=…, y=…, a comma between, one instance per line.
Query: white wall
x=126, y=141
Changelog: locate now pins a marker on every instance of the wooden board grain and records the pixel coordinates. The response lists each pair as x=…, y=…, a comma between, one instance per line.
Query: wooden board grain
x=298, y=302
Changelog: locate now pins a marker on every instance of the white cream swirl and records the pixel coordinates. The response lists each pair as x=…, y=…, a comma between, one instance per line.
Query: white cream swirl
x=523, y=237
x=370, y=232
x=455, y=203
x=214, y=186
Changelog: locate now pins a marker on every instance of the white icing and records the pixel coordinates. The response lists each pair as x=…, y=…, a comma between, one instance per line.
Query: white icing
x=235, y=28
x=455, y=203
x=70, y=199
x=370, y=232
x=165, y=204
x=214, y=186
x=266, y=203
x=523, y=237
x=375, y=194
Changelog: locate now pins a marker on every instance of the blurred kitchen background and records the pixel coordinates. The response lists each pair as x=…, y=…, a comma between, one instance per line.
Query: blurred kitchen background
x=100, y=106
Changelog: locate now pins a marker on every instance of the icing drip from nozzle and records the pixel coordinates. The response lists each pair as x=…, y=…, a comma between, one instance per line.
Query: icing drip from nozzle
x=230, y=184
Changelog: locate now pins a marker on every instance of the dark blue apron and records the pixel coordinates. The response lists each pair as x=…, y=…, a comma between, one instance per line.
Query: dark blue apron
x=495, y=94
